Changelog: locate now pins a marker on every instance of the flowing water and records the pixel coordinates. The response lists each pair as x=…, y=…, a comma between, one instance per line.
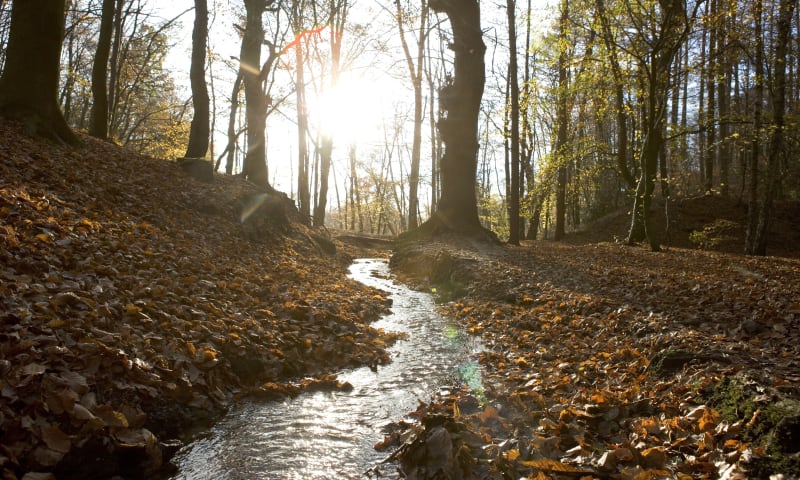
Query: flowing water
x=325, y=435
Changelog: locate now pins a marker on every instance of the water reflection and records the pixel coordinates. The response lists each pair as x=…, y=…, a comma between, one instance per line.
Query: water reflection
x=325, y=435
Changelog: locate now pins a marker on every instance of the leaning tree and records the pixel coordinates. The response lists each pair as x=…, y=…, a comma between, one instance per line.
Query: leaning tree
x=29, y=85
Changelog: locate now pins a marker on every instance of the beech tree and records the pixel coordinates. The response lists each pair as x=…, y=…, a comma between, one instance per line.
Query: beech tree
x=199, y=130
x=99, y=117
x=459, y=105
x=337, y=21
x=513, y=93
x=29, y=85
x=415, y=72
x=256, y=102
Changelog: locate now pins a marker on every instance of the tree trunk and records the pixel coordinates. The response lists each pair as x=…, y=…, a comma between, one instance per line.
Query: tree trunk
x=355, y=193
x=339, y=18
x=711, y=129
x=99, y=116
x=513, y=84
x=655, y=69
x=29, y=85
x=415, y=72
x=233, y=137
x=303, y=192
x=459, y=103
x=751, y=238
x=199, y=130
x=561, y=120
x=255, y=160
x=784, y=25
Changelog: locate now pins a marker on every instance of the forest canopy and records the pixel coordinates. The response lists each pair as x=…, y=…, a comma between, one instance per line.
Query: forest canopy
x=604, y=105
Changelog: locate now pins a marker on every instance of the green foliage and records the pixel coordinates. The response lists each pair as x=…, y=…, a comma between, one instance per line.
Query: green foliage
x=493, y=215
x=714, y=234
x=145, y=114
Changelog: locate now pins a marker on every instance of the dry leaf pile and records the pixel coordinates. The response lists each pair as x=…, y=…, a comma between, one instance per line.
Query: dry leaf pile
x=133, y=309
x=607, y=361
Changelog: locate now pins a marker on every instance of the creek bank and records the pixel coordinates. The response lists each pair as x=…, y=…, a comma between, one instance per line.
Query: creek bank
x=604, y=360
x=322, y=435
x=137, y=303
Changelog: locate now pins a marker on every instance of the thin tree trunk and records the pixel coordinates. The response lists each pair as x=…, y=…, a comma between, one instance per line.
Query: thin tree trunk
x=303, y=192
x=199, y=129
x=99, y=115
x=784, y=25
x=232, y=136
x=561, y=120
x=513, y=199
x=751, y=237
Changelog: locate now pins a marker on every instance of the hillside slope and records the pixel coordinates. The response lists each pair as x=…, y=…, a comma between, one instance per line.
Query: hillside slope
x=136, y=302
x=709, y=222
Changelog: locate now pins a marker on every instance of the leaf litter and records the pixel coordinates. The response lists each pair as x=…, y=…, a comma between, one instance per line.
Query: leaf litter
x=135, y=305
x=608, y=361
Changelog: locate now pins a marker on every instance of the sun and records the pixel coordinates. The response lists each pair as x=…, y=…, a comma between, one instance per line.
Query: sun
x=353, y=111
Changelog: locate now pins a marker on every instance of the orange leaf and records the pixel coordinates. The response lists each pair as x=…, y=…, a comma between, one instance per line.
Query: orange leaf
x=548, y=465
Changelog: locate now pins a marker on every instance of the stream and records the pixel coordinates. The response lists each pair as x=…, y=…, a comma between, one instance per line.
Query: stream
x=324, y=435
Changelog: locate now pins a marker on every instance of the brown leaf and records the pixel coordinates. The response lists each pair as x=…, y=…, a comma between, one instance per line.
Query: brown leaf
x=548, y=465
x=56, y=439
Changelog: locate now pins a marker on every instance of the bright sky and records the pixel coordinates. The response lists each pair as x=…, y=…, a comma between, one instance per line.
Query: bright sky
x=368, y=97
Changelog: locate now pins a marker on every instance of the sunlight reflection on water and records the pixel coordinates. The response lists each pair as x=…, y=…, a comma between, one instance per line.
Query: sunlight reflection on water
x=325, y=435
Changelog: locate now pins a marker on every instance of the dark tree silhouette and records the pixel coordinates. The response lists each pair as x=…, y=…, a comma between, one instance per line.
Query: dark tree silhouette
x=199, y=131
x=459, y=105
x=99, y=119
x=29, y=85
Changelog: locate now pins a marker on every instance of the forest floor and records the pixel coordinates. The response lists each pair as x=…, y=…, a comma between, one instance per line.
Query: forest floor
x=611, y=361
x=136, y=304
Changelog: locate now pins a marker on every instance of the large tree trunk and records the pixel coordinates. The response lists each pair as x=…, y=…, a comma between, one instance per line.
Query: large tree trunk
x=459, y=104
x=99, y=116
x=199, y=130
x=29, y=86
x=255, y=161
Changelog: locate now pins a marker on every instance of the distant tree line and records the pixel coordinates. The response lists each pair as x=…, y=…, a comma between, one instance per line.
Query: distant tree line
x=609, y=104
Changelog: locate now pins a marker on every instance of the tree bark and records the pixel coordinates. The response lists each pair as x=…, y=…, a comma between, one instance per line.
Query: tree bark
x=255, y=161
x=303, y=190
x=29, y=85
x=459, y=103
x=99, y=116
x=513, y=84
x=232, y=135
x=339, y=10
x=751, y=238
x=199, y=130
x=415, y=72
x=784, y=26
x=561, y=120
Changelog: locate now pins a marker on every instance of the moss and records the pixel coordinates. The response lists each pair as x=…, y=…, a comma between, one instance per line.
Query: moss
x=770, y=422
